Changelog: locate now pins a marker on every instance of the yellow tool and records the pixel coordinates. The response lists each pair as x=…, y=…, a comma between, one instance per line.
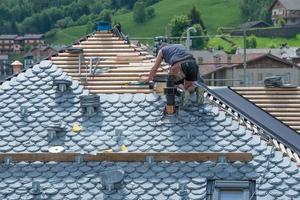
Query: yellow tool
x=76, y=128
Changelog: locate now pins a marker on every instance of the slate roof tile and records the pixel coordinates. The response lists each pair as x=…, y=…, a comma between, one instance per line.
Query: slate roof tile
x=139, y=116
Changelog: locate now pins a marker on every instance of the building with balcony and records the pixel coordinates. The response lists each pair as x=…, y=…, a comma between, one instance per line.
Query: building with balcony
x=288, y=10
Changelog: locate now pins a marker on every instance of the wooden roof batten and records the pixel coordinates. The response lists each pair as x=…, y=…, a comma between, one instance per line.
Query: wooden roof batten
x=123, y=157
x=282, y=103
x=117, y=61
x=287, y=144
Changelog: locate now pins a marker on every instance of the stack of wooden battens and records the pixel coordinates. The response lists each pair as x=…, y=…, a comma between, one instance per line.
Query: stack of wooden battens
x=282, y=103
x=126, y=63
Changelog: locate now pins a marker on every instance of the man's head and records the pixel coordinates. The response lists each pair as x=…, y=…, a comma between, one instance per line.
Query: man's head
x=163, y=44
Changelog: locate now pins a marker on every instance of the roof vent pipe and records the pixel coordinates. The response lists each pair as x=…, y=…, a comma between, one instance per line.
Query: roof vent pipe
x=170, y=91
x=7, y=160
x=112, y=180
x=36, y=188
x=89, y=104
x=55, y=130
x=23, y=110
x=182, y=191
x=62, y=84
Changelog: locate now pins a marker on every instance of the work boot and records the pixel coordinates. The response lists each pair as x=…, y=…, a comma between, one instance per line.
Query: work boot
x=200, y=95
x=185, y=99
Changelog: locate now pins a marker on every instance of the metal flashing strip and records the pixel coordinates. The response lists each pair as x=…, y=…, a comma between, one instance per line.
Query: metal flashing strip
x=124, y=157
x=255, y=115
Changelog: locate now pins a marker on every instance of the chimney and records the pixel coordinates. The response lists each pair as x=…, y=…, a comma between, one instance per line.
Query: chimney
x=170, y=95
x=200, y=60
x=16, y=66
x=217, y=59
x=229, y=58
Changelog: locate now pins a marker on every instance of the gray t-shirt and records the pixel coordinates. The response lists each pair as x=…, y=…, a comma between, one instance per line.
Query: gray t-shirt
x=174, y=53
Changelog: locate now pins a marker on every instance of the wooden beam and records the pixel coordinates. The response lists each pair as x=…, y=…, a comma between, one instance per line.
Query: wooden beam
x=125, y=157
x=121, y=91
x=263, y=88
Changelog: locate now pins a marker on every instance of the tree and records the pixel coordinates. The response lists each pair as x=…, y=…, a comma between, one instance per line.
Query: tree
x=195, y=17
x=256, y=10
x=106, y=15
x=139, y=13
x=65, y=22
x=178, y=25
x=150, y=12
x=251, y=42
x=281, y=22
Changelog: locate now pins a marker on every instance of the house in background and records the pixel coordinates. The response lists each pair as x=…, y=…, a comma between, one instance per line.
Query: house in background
x=15, y=43
x=207, y=55
x=254, y=24
x=229, y=70
x=39, y=53
x=289, y=10
x=5, y=67
x=291, y=54
x=7, y=43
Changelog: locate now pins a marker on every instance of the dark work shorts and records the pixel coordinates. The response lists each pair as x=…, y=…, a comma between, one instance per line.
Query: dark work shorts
x=191, y=70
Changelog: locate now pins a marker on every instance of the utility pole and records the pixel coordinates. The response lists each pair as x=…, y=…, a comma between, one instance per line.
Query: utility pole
x=245, y=56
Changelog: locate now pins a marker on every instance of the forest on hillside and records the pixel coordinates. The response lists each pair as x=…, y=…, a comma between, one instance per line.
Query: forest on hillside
x=256, y=10
x=40, y=16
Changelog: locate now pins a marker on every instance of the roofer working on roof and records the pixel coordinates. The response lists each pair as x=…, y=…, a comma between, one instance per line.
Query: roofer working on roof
x=183, y=65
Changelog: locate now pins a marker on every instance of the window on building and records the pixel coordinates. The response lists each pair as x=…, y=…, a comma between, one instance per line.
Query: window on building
x=287, y=78
x=230, y=190
x=259, y=77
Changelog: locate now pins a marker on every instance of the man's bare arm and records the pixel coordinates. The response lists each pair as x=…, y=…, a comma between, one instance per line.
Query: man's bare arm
x=154, y=69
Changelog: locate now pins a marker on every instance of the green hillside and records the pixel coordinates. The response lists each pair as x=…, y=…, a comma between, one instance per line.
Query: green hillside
x=215, y=13
x=262, y=42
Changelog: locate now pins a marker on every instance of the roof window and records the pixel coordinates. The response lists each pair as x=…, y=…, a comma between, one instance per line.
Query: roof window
x=230, y=190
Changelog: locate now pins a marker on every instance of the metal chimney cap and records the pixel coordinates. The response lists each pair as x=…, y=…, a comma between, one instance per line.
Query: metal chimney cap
x=62, y=81
x=112, y=177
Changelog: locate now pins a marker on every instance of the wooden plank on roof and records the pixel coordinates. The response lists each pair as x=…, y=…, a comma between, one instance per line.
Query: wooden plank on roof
x=126, y=157
x=112, y=87
x=106, y=62
x=285, y=114
x=107, y=54
x=116, y=70
x=108, y=50
x=253, y=97
x=282, y=109
x=104, y=39
x=123, y=91
x=102, y=58
x=277, y=101
x=272, y=92
x=270, y=105
x=264, y=88
x=120, y=75
x=103, y=42
x=114, y=46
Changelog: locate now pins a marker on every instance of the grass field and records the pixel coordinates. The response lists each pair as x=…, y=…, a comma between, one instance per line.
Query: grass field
x=68, y=35
x=214, y=12
x=262, y=42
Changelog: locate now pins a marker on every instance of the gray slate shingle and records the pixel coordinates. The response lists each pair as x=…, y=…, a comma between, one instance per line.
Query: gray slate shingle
x=139, y=116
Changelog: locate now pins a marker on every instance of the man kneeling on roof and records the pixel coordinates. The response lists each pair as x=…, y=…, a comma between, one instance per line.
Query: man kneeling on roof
x=183, y=66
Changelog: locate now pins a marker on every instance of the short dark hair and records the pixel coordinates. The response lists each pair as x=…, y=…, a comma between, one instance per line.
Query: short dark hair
x=162, y=45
